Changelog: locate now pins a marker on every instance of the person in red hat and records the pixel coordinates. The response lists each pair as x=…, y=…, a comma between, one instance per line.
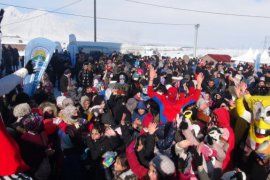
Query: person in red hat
x=169, y=104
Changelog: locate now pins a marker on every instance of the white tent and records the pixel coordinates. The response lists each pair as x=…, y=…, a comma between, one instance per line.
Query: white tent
x=265, y=59
x=249, y=57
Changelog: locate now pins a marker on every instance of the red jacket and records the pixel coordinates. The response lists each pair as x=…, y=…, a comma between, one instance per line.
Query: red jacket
x=224, y=122
x=11, y=161
x=169, y=110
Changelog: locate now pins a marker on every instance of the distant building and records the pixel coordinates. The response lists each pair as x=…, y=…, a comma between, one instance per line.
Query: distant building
x=216, y=58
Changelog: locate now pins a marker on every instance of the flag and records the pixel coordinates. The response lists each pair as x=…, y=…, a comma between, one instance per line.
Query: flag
x=40, y=51
x=257, y=63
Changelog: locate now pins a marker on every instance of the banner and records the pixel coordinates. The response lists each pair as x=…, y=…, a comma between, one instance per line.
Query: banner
x=257, y=63
x=40, y=51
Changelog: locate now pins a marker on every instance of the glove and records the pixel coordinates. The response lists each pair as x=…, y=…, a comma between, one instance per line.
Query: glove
x=209, y=140
x=196, y=156
x=237, y=175
x=183, y=125
x=29, y=67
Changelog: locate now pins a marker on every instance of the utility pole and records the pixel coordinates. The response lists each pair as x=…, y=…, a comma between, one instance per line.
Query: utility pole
x=196, y=38
x=95, y=22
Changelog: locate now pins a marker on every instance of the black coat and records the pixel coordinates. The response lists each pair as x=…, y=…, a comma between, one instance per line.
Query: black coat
x=97, y=149
x=63, y=83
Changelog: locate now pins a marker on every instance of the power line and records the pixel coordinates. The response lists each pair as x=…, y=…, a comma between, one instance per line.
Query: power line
x=101, y=18
x=68, y=5
x=199, y=11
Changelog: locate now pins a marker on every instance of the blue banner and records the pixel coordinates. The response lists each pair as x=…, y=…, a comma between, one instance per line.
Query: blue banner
x=257, y=63
x=40, y=51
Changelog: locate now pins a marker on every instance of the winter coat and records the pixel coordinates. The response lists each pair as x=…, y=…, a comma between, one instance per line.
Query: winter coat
x=165, y=141
x=129, y=134
x=11, y=159
x=139, y=170
x=169, y=110
x=140, y=105
x=224, y=122
x=86, y=78
x=64, y=82
x=96, y=150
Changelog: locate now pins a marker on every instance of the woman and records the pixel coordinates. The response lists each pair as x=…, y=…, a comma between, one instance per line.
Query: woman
x=84, y=106
x=122, y=170
x=100, y=141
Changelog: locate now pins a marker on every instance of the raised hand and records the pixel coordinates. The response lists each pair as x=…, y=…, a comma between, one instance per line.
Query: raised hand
x=152, y=72
x=110, y=132
x=152, y=128
x=184, y=144
x=200, y=78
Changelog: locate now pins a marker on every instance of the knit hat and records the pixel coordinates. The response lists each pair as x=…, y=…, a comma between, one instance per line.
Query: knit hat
x=32, y=122
x=21, y=110
x=59, y=101
x=135, y=76
x=66, y=102
x=46, y=106
x=95, y=110
x=163, y=164
x=262, y=79
x=69, y=111
x=131, y=104
x=107, y=118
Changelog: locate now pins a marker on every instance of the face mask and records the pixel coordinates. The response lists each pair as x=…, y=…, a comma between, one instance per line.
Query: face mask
x=172, y=94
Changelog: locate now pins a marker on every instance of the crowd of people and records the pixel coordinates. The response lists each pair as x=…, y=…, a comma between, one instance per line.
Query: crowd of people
x=11, y=60
x=129, y=117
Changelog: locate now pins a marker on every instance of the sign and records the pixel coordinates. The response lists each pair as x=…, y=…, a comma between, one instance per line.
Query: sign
x=40, y=51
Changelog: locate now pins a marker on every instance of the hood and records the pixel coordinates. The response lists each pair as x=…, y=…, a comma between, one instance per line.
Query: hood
x=83, y=99
x=172, y=94
x=223, y=117
x=141, y=105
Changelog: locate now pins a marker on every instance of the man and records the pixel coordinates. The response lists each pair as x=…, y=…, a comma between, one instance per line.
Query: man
x=65, y=81
x=86, y=75
x=210, y=87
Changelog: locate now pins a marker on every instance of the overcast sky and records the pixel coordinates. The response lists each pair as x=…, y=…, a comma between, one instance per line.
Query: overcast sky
x=216, y=31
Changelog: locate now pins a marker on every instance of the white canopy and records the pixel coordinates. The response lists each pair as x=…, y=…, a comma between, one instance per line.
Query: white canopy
x=265, y=59
x=249, y=57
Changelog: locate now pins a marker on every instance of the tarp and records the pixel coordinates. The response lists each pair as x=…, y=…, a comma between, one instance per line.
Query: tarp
x=40, y=51
x=265, y=59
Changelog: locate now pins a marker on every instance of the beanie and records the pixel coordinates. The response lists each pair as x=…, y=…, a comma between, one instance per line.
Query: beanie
x=21, y=110
x=59, y=100
x=163, y=164
x=68, y=111
x=107, y=118
x=131, y=104
x=66, y=102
